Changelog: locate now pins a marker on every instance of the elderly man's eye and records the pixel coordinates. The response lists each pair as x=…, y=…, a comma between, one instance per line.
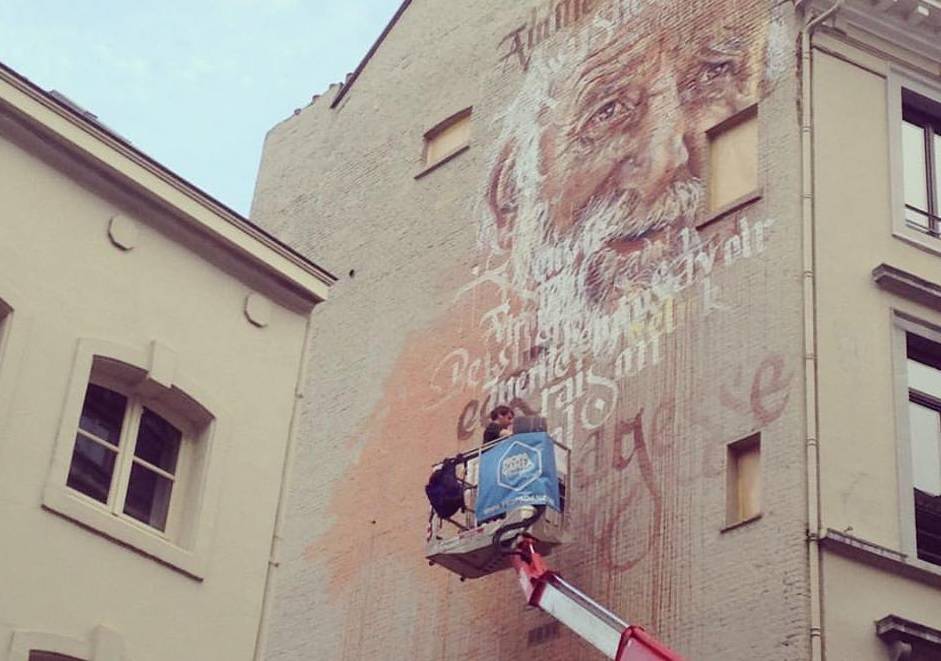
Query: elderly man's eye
x=610, y=111
x=715, y=70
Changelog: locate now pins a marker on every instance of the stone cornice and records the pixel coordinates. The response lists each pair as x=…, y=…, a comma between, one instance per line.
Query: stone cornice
x=911, y=24
x=907, y=285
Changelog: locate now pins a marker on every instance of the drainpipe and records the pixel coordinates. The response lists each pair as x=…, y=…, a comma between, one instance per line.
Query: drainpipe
x=274, y=555
x=811, y=429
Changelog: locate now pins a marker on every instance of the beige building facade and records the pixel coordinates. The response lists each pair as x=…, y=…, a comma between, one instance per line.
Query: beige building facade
x=150, y=340
x=874, y=99
x=701, y=238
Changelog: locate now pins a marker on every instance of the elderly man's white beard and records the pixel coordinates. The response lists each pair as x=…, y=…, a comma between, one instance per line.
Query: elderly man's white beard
x=576, y=284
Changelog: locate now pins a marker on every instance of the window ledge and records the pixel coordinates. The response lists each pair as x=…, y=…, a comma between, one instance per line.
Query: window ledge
x=881, y=557
x=733, y=206
x=445, y=159
x=917, y=239
x=66, y=503
x=908, y=285
x=739, y=524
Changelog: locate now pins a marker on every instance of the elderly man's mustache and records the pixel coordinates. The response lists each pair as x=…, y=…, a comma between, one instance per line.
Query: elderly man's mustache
x=630, y=219
x=609, y=272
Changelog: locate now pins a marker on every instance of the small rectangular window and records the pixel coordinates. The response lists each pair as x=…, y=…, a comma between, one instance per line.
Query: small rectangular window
x=447, y=138
x=733, y=160
x=743, y=487
x=924, y=421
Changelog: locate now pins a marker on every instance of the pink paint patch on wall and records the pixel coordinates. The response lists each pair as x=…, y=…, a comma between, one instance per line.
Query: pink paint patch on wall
x=600, y=290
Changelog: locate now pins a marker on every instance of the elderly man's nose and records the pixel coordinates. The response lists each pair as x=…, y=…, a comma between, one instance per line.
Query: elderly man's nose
x=677, y=153
x=670, y=155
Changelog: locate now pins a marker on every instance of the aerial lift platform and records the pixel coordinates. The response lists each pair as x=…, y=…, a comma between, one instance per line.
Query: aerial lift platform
x=473, y=542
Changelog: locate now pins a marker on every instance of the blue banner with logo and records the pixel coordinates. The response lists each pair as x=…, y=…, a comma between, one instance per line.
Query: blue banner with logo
x=518, y=471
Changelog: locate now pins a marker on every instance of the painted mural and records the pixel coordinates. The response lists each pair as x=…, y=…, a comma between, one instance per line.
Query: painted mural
x=595, y=284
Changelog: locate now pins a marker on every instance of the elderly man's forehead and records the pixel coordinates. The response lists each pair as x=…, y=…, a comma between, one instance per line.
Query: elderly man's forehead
x=628, y=50
x=614, y=62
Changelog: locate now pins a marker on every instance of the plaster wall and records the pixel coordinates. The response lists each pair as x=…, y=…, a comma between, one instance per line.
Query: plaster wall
x=64, y=280
x=861, y=370
x=851, y=614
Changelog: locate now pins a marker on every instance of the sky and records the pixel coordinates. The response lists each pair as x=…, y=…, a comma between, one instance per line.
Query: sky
x=195, y=84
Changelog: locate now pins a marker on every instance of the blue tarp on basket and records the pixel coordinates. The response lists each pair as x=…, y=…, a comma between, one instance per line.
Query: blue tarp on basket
x=516, y=472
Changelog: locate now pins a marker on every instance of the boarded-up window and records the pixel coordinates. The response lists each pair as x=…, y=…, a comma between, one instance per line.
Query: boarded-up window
x=743, y=492
x=733, y=160
x=448, y=137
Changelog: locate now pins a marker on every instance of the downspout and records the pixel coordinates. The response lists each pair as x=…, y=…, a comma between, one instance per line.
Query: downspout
x=810, y=331
x=274, y=555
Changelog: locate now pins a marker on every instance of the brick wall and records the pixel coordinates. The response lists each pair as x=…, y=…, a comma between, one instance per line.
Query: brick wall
x=562, y=264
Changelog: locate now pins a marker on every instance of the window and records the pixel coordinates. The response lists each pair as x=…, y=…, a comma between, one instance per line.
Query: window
x=448, y=138
x=921, y=170
x=914, y=125
x=924, y=418
x=135, y=458
x=126, y=456
x=50, y=656
x=733, y=160
x=743, y=486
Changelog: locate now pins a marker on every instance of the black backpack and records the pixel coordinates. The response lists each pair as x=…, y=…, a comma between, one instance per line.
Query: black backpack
x=445, y=492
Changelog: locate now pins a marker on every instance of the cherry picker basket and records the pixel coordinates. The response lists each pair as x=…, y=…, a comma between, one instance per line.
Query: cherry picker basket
x=472, y=547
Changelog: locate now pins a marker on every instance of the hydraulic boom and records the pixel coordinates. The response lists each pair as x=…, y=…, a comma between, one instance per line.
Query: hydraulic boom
x=593, y=622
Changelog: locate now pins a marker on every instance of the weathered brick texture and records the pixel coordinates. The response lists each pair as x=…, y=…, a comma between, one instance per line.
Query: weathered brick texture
x=649, y=344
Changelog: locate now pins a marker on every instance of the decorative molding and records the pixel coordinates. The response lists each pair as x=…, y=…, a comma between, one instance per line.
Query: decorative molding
x=908, y=285
x=257, y=309
x=881, y=557
x=123, y=232
x=903, y=636
x=916, y=27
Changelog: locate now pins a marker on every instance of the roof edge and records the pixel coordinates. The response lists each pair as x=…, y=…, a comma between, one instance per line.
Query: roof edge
x=291, y=260
x=351, y=79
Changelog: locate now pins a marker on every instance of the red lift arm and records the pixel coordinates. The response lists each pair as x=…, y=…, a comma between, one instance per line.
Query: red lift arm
x=547, y=591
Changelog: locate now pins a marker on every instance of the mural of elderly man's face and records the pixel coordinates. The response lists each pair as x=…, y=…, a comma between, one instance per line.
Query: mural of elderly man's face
x=619, y=158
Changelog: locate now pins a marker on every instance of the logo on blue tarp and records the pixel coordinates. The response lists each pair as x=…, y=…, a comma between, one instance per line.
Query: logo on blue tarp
x=516, y=472
x=520, y=466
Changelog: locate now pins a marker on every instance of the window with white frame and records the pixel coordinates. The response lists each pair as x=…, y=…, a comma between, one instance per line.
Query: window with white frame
x=924, y=416
x=126, y=456
x=136, y=458
x=921, y=170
